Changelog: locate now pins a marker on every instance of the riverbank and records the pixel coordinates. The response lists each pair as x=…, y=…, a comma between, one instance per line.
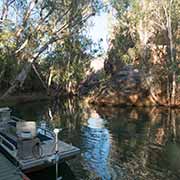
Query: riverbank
x=26, y=97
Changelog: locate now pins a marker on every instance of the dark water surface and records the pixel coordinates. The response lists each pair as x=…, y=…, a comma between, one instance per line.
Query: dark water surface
x=116, y=143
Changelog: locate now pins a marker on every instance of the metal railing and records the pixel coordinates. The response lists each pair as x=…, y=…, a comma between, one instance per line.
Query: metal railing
x=16, y=118
x=12, y=150
x=45, y=132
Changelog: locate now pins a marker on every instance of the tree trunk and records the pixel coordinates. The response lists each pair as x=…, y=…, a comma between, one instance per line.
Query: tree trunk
x=172, y=58
x=50, y=79
x=173, y=93
x=21, y=77
x=173, y=124
x=18, y=82
x=168, y=91
x=39, y=76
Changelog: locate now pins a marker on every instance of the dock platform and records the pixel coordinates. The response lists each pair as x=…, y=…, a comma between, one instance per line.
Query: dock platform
x=8, y=171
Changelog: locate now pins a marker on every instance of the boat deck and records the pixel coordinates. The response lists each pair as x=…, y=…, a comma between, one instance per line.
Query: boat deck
x=65, y=151
x=8, y=171
x=22, y=152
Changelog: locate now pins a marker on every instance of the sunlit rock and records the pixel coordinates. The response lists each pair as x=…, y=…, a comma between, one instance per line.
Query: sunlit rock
x=125, y=87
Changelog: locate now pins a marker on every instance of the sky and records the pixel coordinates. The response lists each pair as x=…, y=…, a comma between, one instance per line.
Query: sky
x=99, y=29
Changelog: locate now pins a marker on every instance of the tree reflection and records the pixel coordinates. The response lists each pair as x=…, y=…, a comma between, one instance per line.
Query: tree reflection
x=116, y=142
x=145, y=144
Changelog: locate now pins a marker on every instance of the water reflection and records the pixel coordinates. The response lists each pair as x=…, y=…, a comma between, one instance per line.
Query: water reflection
x=116, y=143
x=96, y=145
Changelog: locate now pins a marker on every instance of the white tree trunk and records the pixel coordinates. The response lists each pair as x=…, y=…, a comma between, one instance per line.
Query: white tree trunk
x=18, y=82
x=171, y=48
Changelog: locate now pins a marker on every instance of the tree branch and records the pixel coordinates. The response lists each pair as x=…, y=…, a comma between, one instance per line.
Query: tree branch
x=26, y=17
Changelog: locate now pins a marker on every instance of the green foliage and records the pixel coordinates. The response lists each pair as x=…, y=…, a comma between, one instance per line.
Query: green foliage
x=69, y=62
x=8, y=69
x=123, y=45
x=52, y=25
x=148, y=35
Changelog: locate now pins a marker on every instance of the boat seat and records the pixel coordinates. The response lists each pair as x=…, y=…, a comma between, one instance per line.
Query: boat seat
x=43, y=137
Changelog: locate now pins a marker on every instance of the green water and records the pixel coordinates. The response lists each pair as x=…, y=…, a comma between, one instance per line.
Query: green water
x=116, y=143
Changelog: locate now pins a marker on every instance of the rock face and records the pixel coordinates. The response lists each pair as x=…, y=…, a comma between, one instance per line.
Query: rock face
x=93, y=77
x=125, y=87
x=91, y=83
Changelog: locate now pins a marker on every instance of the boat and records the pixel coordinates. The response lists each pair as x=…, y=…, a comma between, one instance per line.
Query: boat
x=29, y=146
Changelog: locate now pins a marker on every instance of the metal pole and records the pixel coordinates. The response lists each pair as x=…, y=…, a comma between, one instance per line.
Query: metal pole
x=56, y=131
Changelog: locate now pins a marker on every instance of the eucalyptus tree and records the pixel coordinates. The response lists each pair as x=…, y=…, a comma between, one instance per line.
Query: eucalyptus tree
x=160, y=19
x=36, y=27
x=150, y=29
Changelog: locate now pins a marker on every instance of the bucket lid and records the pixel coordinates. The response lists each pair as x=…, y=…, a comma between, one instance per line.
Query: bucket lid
x=4, y=109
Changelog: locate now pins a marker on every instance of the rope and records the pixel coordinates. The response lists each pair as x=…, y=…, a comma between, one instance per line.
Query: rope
x=37, y=150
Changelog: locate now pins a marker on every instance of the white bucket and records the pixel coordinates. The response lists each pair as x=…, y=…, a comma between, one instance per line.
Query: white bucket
x=5, y=114
x=26, y=129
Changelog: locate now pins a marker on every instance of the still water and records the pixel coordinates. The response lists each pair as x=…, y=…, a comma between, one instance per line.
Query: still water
x=116, y=143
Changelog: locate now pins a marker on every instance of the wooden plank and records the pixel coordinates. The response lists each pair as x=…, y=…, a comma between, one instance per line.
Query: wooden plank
x=8, y=171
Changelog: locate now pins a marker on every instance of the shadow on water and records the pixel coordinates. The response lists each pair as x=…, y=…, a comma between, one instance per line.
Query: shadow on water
x=50, y=173
x=116, y=143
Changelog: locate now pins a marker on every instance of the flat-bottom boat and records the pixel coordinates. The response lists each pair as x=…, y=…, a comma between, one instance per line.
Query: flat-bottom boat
x=29, y=146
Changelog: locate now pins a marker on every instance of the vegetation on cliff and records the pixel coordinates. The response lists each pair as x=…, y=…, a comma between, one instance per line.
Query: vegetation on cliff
x=146, y=36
